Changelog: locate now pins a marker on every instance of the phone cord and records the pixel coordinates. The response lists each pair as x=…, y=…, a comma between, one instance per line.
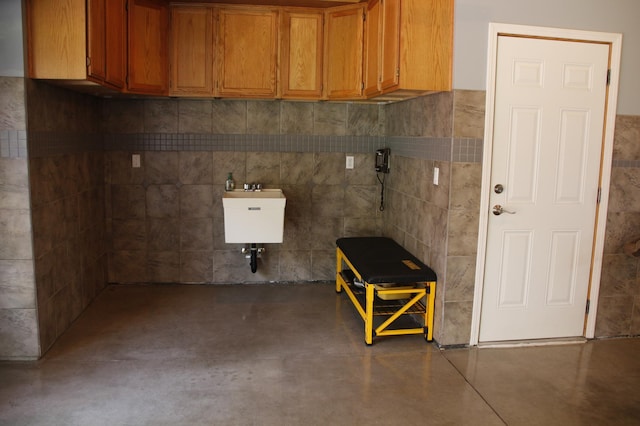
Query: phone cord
x=381, y=190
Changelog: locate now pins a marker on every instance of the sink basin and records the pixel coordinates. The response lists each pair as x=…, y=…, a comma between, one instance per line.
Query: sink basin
x=254, y=216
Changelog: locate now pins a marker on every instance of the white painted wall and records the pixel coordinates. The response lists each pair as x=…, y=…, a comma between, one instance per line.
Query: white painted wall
x=472, y=19
x=11, y=52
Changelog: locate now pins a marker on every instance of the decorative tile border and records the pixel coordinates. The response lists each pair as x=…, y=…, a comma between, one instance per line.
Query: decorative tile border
x=13, y=144
x=462, y=150
x=241, y=142
x=626, y=163
x=42, y=144
x=438, y=149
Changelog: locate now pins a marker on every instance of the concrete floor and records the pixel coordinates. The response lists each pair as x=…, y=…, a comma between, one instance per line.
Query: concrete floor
x=295, y=355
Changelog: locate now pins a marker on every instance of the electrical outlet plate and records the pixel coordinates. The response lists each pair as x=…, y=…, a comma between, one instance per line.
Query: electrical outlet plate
x=350, y=161
x=436, y=175
x=135, y=161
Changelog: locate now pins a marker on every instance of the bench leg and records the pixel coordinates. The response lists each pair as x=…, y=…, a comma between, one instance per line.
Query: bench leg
x=431, y=304
x=368, y=320
x=338, y=269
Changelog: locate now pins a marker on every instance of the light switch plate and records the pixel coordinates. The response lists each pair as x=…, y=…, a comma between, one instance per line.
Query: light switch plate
x=135, y=161
x=436, y=175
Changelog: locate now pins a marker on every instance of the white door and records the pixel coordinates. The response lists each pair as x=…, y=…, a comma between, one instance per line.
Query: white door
x=549, y=116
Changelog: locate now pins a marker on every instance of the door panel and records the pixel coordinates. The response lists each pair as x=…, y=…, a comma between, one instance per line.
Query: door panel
x=548, y=128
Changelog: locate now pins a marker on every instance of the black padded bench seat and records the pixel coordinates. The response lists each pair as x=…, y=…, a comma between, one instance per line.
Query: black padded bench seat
x=395, y=283
x=382, y=260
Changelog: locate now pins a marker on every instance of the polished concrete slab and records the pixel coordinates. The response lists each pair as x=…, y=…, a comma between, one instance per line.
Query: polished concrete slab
x=295, y=355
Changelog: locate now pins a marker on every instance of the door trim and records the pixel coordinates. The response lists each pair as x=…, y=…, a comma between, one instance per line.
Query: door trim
x=615, y=42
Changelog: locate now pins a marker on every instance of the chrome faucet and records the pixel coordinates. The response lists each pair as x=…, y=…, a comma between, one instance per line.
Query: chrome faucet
x=252, y=187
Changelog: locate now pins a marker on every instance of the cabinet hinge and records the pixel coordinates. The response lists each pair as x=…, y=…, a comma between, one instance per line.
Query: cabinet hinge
x=362, y=86
x=608, y=77
x=599, y=195
x=586, y=311
x=88, y=61
x=364, y=17
x=398, y=72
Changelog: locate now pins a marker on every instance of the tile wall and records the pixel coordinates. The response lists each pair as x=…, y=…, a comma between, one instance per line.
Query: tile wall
x=439, y=223
x=166, y=217
x=619, y=301
x=453, y=143
x=18, y=315
x=66, y=163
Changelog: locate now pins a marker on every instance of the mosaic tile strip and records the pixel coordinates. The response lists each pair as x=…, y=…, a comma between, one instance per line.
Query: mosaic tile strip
x=43, y=144
x=467, y=150
x=626, y=163
x=242, y=142
x=13, y=144
x=438, y=149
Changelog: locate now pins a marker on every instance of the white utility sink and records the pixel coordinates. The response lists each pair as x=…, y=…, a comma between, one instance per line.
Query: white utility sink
x=254, y=216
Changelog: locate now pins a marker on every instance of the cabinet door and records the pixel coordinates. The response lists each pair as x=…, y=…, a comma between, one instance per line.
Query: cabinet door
x=301, y=55
x=191, y=55
x=344, y=43
x=57, y=46
x=96, y=34
x=372, y=49
x=148, y=65
x=248, y=52
x=115, y=19
x=390, y=44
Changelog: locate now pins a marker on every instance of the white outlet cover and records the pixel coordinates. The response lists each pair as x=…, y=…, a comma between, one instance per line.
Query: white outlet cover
x=350, y=161
x=436, y=175
x=135, y=161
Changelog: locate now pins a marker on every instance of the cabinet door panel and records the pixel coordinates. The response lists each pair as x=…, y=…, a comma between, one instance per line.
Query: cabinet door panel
x=96, y=33
x=57, y=45
x=192, y=50
x=248, y=43
x=372, y=49
x=390, y=44
x=301, y=55
x=148, y=67
x=344, y=42
x=116, y=43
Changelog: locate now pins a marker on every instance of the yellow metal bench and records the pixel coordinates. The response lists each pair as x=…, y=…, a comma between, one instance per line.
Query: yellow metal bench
x=383, y=279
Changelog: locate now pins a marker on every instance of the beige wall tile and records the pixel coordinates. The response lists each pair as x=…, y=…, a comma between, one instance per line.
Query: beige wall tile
x=195, y=167
x=468, y=113
x=263, y=117
x=160, y=116
x=195, y=116
x=229, y=117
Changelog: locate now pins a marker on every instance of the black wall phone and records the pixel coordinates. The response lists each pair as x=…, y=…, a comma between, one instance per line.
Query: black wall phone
x=382, y=160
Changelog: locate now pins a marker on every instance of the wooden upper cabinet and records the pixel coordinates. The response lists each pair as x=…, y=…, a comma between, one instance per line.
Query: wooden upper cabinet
x=390, y=44
x=344, y=28
x=96, y=39
x=192, y=49
x=56, y=39
x=115, y=18
x=416, y=40
x=107, y=42
x=247, y=52
x=148, y=46
x=301, y=54
x=371, y=62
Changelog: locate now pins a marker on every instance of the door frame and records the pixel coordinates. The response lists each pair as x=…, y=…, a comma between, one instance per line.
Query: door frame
x=615, y=41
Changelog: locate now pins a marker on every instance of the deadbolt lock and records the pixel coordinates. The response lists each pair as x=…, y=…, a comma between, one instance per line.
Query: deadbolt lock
x=498, y=189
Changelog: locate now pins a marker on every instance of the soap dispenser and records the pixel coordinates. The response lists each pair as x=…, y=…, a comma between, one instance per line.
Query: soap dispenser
x=229, y=185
